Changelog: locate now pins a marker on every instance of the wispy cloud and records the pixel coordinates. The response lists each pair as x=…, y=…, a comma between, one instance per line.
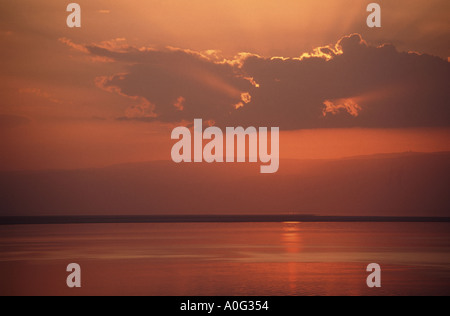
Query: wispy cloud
x=41, y=94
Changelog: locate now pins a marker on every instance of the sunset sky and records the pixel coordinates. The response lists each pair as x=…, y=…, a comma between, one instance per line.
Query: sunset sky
x=112, y=91
x=89, y=126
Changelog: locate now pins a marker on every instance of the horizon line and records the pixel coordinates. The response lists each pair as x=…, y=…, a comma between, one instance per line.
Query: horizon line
x=142, y=219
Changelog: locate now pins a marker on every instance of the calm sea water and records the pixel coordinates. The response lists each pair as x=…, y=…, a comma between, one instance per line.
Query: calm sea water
x=226, y=258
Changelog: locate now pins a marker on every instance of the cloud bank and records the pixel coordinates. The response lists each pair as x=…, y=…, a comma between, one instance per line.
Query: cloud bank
x=349, y=84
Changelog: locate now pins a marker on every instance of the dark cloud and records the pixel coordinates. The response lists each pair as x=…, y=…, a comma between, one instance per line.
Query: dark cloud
x=344, y=85
x=177, y=85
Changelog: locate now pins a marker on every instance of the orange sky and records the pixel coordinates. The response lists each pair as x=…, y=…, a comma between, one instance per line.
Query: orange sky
x=54, y=115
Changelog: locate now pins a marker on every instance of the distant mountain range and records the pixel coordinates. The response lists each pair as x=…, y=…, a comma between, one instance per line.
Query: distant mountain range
x=409, y=184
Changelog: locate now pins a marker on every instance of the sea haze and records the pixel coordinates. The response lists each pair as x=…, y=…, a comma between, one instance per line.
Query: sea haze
x=379, y=185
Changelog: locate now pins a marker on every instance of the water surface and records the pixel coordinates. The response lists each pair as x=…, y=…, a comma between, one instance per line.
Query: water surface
x=226, y=258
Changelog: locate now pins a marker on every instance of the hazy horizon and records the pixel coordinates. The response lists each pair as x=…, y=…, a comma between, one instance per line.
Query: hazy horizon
x=169, y=160
x=409, y=184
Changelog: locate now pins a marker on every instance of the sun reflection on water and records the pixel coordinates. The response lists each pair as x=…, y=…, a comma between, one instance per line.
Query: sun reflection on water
x=292, y=237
